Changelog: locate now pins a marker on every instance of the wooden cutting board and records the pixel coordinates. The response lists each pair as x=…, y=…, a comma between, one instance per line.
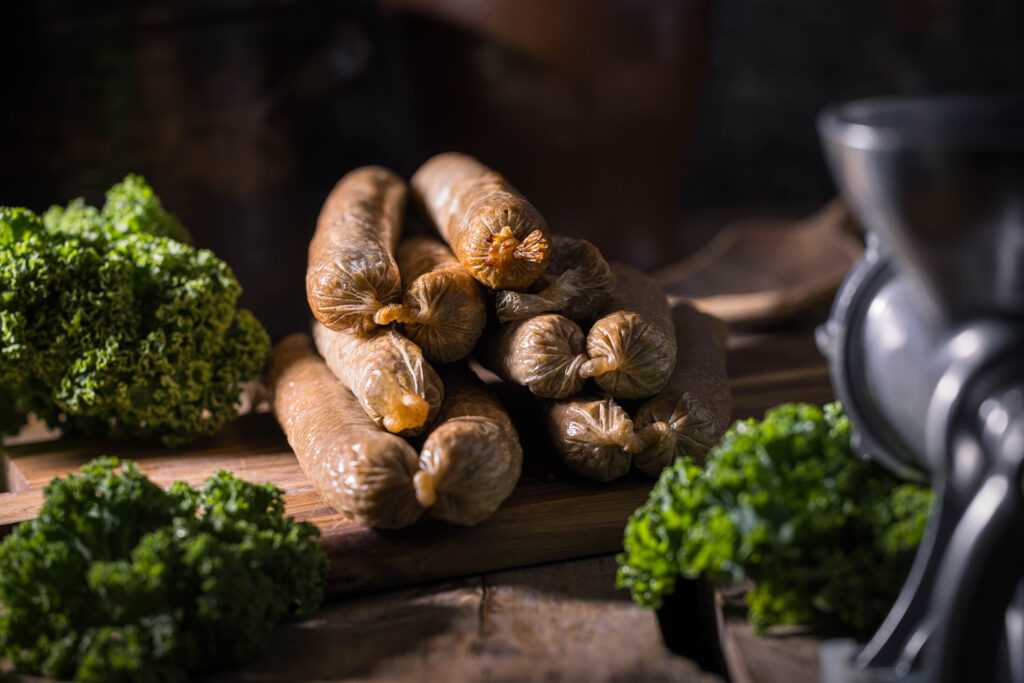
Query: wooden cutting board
x=552, y=515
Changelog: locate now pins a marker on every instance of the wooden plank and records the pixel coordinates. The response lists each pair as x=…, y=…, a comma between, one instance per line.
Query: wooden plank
x=559, y=622
x=783, y=655
x=540, y=522
x=552, y=515
x=18, y=507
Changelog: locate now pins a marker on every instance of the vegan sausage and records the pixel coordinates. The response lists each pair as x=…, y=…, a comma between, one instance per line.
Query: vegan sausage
x=543, y=353
x=692, y=412
x=471, y=462
x=352, y=270
x=593, y=436
x=357, y=468
x=388, y=375
x=632, y=348
x=576, y=284
x=492, y=229
x=443, y=307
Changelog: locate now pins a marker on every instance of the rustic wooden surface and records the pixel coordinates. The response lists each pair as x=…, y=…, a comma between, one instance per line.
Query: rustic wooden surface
x=561, y=621
x=552, y=515
x=557, y=622
x=783, y=655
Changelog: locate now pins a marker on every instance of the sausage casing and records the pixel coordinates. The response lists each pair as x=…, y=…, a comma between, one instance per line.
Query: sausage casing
x=356, y=467
x=693, y=411
x=396, y=386
x=543, y=353
x=471, y=461
x=493, y=230
x=576, y=284
x=443, y=307
x=632, y=348
x=352, y=270
x=592, y=436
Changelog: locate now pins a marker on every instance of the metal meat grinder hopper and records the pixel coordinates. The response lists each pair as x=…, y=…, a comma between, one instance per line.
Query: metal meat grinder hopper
x=926, y=348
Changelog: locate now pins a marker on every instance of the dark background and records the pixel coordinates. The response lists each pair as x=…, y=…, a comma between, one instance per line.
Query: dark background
x=619, y=118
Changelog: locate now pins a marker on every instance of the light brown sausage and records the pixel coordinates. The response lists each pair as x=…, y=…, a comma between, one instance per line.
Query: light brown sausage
x=492, y=229
x=543, y=353
x=352, y=271
x=471, y=462
x=443, y=307
x=395, y=385
x=576, y=284
x=593, y=436
x=693, y=411
x=632, y=348
x=356, y=467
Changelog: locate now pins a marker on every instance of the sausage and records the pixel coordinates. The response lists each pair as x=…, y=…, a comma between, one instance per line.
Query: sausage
x=472, y=460
x=632, y=348
x=543, y=353
x=493, y=230
x=352, y=271
x=692, y=412
x=593, y=436
x=357, y=468
x=387, y=373
x=576, y=284
x=443, y=307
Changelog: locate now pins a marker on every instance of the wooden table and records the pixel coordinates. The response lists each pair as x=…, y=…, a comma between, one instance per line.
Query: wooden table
x=558, y=621
x=554, y=622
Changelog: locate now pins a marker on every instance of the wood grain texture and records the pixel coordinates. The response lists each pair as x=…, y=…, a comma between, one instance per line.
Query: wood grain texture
x=552, y=515
x=783, y=655
x=559, y=622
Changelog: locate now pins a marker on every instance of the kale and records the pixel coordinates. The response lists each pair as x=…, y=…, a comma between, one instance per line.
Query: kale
x=120, y=580
x=826, y=536
x=109, y=324
x=131, y=208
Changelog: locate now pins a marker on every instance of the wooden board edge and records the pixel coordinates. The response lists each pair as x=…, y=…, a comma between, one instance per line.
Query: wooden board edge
x=788, y=657
x=373, y=559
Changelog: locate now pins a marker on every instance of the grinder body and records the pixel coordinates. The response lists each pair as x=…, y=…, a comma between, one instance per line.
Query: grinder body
x=926, y=349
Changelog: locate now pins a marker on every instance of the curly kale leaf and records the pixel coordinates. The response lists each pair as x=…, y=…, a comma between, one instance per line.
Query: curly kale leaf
x=827, y=536
x=119, y=580
x=107, y=327
x=17, y=224
x=131, y=208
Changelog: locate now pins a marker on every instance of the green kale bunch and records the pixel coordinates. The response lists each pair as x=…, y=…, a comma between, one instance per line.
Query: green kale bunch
x=119, y=580
x=827, y=536
x=111, y=324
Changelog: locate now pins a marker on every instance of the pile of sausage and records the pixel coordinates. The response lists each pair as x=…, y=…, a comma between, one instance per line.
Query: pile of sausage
x=501, y=287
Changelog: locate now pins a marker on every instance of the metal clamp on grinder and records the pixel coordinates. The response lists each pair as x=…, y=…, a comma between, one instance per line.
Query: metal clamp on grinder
x=926, y=349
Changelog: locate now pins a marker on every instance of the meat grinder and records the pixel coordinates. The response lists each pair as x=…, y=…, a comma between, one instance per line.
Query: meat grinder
x=925, y=344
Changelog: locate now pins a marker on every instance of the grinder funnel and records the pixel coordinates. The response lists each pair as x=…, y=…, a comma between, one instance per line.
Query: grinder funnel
x=941, y=181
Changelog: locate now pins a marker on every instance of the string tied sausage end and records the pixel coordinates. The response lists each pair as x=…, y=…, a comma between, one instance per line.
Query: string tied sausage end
x=390, y=313
x=426, y=493
x=506, y=251
x=646, y=438
x=409, y=412
x=535, y=248
x=595, y=367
